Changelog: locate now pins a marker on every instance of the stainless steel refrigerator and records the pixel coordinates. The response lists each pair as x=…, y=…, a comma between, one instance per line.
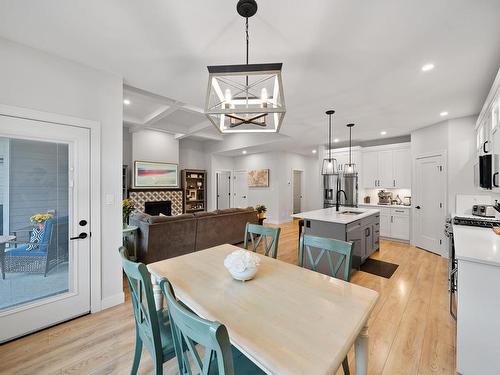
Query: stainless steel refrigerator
x=342, y=181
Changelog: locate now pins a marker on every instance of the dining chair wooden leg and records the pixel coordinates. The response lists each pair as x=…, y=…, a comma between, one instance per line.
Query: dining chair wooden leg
x=137, y=354
x=361, y=351
x=345, y=366
x=158, y=367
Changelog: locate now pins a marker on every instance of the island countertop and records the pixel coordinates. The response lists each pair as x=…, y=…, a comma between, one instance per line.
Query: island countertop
x=332, y=216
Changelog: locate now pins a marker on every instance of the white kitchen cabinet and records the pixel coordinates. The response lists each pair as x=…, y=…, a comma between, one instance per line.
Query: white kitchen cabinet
x=369, y=174
x=394, y=221
x=402, y=169
x=385, y=169
x=385, y=224
x=400, y=224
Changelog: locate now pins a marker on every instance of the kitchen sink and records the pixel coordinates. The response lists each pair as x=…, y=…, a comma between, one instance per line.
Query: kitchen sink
x=350, y=212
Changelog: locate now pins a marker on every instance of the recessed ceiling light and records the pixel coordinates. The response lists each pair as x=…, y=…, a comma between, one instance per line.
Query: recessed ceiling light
x=383, y=132
x=427, y=67
x=126, y=101
x=442, y=114
x=313, y=151
x=244, y=152
x=336, y=140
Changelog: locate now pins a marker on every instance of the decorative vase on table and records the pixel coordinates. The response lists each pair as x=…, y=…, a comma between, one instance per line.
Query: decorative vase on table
x=261, y=211
x=128, y=207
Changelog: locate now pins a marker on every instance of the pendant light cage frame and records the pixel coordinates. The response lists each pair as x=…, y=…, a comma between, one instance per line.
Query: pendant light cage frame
x=330, y=165
x=350, y=169
x=245, y=98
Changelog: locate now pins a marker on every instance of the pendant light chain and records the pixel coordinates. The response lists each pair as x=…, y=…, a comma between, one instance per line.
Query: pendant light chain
x=248, y=42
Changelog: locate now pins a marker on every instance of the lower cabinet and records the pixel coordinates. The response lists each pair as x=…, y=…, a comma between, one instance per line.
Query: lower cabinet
x=394, y=222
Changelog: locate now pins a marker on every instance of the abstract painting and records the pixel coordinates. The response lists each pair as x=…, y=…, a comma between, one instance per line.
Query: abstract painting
x=258, y=178
x=155, y=175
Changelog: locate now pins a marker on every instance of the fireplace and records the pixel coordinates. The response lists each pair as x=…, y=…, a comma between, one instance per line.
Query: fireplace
x=156, y=208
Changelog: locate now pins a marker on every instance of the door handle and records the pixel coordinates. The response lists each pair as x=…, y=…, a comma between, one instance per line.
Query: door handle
x=418, y=207
x=495, y=182
x=81, y=236
x=484, y=147
x=394, y=183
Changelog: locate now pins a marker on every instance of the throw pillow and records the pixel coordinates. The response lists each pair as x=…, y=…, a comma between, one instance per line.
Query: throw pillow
x=36, y=237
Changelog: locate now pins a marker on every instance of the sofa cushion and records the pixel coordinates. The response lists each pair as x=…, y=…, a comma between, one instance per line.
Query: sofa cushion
x=204, y=214
x=163, y=219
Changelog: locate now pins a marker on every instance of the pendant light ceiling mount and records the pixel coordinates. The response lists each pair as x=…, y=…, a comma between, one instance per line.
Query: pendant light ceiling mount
x=246, y=8
x=245, y=98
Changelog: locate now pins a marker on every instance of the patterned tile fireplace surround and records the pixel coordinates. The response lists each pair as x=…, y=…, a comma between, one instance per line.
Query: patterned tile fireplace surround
x=140, y=196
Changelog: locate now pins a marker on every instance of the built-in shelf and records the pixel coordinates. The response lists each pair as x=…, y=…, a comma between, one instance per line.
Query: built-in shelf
x=194, y=184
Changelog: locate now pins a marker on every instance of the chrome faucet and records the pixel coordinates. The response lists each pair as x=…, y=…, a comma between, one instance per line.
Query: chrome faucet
x=338, y=195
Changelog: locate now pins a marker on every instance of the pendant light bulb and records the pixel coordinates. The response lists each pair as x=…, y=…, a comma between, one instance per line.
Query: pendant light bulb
x=227, y=96
x=263, y=95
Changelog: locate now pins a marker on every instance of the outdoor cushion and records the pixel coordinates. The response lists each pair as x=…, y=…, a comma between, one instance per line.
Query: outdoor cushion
x=36, y=237
x=23, y=251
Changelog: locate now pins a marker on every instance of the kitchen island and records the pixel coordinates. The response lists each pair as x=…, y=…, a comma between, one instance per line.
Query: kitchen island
x=360, y=226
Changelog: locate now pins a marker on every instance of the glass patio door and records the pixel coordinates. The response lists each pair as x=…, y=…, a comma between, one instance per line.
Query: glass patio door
x=44, y=224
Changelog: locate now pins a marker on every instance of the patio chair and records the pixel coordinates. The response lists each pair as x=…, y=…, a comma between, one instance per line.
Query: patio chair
x=30, y=257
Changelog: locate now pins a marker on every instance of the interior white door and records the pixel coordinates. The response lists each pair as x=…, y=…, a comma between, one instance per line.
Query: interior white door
x=370, y=169
x=45, y=273
x=223, y=190
x=429, y=198
x=402, y=169
x=297, y=191
x=240, y=189
x=385, y=169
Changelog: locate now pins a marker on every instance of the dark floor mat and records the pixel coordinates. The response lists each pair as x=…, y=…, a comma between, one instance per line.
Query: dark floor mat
x=379, y=268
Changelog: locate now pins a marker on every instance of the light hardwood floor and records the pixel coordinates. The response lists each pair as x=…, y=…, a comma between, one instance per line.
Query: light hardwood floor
x=410, y=329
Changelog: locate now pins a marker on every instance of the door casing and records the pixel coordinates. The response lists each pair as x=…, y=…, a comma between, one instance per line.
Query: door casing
x=95, y=186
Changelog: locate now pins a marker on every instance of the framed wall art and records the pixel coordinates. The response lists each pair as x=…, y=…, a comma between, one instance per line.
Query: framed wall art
x=149, y=174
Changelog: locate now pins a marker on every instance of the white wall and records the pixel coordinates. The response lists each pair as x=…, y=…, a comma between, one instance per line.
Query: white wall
x=36, y=80
x=457, y=137
x=192, y=155
x=128, y=159
x=278, y=196
x=150, y=145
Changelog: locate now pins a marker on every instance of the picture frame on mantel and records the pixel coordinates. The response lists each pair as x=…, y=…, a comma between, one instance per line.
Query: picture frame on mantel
x=149, y=174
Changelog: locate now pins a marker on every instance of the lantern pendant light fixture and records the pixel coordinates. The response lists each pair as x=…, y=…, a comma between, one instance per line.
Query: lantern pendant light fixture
x=329, y=164
x=245, y=98
x=350, y=168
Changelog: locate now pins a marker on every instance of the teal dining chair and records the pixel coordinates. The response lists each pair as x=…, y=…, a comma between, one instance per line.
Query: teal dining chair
x=190, y=332
x=327, y=247
x=255, y=233
x=152, y=327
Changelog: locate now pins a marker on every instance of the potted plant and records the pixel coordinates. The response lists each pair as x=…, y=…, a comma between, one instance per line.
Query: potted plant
x=261, y=210
x=39, y=220
x=128, y=207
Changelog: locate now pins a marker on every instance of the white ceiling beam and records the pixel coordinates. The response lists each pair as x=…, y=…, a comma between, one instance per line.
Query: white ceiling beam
x=159, y=114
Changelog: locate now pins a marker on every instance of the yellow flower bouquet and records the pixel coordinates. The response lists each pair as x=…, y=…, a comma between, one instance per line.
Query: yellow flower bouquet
x=40, y=219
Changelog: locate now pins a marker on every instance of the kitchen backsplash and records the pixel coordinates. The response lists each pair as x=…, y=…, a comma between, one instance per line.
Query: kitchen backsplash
x=373, y=194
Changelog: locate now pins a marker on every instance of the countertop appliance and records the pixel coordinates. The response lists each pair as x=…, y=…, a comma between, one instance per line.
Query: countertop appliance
x=483, y=210
x=472, y=221
x=384, y=197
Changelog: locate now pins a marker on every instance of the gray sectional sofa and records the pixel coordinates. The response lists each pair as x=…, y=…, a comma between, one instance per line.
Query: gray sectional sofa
x=163, y=237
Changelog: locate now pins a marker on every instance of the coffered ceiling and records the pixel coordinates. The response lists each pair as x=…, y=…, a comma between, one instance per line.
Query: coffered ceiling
x=361, y=58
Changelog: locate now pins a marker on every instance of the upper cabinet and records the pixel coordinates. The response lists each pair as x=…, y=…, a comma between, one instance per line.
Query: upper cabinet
x=386, y=168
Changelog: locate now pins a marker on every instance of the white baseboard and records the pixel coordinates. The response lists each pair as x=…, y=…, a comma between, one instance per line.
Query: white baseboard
x=113, y=300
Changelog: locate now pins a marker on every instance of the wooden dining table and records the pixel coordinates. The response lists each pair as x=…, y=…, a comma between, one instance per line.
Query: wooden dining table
x=287, y=320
